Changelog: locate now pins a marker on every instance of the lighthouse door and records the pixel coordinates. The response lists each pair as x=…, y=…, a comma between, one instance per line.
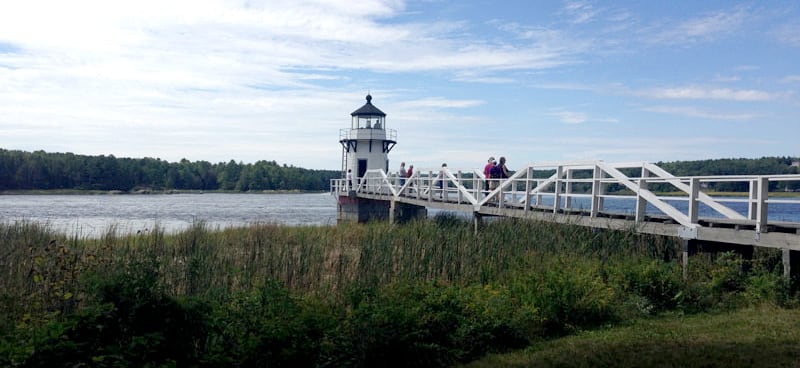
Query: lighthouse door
x=362, y=167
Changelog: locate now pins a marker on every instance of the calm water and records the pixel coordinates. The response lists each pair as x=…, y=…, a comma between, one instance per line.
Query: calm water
x=92, y=215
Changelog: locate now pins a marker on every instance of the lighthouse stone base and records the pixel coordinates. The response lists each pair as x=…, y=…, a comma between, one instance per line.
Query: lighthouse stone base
x=362, y=210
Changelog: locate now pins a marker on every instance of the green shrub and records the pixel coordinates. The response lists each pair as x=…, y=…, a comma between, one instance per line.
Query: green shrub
x=269, y=327
x=567, y=294
x=765, y=287
x=728, y=275
x=425, y=324
x=652, y=286
x=133, y=324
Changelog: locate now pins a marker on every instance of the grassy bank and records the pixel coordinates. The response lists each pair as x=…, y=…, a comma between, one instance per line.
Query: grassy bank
x=763, y=336
x=429, y=293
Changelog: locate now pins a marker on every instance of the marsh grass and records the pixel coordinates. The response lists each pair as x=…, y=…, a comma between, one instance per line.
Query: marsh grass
x=352, y=294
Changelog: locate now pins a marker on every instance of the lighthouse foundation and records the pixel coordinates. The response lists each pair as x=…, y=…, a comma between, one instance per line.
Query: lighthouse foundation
x=353, y=209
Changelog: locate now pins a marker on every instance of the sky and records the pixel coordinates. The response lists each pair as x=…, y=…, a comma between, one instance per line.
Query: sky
x=534, y=81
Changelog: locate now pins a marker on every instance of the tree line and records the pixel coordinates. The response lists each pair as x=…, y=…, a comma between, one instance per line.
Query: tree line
x=20, y=170
x=737, y=166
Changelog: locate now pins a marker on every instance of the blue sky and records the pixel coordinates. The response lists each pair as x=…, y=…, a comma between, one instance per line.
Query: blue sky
x=459, y=80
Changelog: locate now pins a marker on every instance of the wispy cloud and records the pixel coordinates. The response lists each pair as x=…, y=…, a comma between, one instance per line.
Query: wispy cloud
x=580, y=11
x=698, y=113
x=788, y=33
x=701, y=29
x=441, y=102
x=654, y=149
x=578, y=117
x=704, y=93
x=791, y=79
x=746, y=68
x=726, y=78
x=570, y=117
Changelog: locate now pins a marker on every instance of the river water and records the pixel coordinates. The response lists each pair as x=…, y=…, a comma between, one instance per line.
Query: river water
x=93, y=215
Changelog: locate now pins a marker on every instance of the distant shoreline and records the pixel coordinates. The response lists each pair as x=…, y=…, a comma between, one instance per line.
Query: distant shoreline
x=145, y=192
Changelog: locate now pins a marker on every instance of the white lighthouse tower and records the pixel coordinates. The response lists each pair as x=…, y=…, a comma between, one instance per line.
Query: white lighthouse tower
x=366, y=144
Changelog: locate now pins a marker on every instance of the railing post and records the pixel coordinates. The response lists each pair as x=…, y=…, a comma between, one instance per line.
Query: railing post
x=694, y=189
x=500, y=193
x=761, y=209
x=568, y=190
x=752, y=203
x=528, y=188
x=430, y=186
x=538, y=196
x=641, y=203
x=460, y=183
x=557, y=189
x=596, y=189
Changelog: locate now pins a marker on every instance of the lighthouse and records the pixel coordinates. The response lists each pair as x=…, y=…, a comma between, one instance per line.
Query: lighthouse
x=367, y=142
x=365, y=146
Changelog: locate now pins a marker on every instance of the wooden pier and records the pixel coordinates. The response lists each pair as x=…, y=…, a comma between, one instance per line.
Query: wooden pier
x=599, y=195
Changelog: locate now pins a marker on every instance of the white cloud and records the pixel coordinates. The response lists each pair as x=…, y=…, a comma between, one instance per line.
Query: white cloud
x=580, y=11
x=788, y=33
x=697, y=113
x=746, y=68
x=726, y=78
x=216, y=77
x=211, y=79
x=440, y=102
x=653, y=149
x=704, y=93
x=791, y=79
x=578, y=117
x=570, y=117
x=702, y=29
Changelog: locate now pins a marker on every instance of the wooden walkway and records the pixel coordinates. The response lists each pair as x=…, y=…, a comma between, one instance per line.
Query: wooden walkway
x=602, y=195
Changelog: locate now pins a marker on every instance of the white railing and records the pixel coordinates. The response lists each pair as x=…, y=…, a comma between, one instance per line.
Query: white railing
x=638, y=190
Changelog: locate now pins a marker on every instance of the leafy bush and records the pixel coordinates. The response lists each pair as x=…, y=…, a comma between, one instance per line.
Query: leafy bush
x=269, y=327
x=133, y=323
x=567, y=295
x=652, y=286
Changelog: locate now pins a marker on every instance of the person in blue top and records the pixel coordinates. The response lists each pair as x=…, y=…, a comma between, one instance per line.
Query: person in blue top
x=403, y=173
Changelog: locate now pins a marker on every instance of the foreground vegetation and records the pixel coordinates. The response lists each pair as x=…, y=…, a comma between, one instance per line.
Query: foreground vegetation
x=429, y=293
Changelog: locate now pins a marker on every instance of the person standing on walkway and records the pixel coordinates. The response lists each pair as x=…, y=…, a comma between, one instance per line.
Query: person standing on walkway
x=349, y=179
x=487, y=174
x=503, y=168
x=403, y=173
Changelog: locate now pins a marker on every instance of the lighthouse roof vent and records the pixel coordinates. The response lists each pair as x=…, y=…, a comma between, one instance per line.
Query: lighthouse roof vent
x=368, y=109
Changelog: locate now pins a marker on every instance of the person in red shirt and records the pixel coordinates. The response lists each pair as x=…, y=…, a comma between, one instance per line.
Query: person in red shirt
x=487, y=172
